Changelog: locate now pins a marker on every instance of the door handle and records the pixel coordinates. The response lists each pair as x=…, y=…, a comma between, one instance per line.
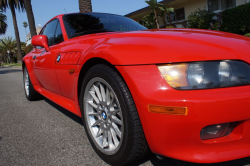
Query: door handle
x=34, y=57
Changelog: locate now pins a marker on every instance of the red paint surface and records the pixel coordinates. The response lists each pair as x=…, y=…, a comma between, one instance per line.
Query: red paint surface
x=69, y=58
x=179, y=136
x=135, y=55
x=40, y=40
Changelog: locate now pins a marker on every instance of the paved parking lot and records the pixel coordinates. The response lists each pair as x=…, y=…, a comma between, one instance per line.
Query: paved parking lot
x=43, y=133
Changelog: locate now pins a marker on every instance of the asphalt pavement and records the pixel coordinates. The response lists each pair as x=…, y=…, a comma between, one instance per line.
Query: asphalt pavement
x=43, y=133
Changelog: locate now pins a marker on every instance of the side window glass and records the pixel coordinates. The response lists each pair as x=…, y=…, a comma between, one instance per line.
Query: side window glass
x=41, y=33
x=49, y=31
x=58, y=35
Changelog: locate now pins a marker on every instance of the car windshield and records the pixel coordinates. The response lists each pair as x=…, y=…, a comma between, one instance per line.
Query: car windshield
x=78, y=24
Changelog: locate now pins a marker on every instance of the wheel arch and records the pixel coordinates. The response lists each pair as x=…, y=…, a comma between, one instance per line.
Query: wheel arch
x=27, y=62
x=87, y=65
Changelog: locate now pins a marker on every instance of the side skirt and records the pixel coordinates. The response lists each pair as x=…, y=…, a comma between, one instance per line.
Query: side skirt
x=64, y=102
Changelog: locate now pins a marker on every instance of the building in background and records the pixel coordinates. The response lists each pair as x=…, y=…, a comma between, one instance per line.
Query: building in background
x=28, y=37
x=183, y=8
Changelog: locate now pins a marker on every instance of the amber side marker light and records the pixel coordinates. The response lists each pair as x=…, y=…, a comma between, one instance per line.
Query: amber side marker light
x=71, y=71
x=168, y=110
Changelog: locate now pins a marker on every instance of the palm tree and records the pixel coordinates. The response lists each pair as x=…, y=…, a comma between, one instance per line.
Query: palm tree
x=149, y=21
x=3, y=23
x=165, y=11
x=25, y=25
x=154, y=5
x=30, y=15
x=12, y=5
x=8, y=45
x=85, y=5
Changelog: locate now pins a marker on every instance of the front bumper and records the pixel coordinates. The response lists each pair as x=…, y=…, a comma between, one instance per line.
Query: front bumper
x=178, y=136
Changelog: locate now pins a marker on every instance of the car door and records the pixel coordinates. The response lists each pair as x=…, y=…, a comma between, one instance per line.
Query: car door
x=44, y=62
x=66, y=66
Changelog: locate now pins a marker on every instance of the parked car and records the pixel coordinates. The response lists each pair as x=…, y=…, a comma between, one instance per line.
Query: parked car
x=181, y=93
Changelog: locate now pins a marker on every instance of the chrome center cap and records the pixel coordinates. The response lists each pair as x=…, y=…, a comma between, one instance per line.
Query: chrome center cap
x=104, y=115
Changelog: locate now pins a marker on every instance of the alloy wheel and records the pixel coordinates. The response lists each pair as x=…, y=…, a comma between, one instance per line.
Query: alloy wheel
x=103, y=115
x=26, y=82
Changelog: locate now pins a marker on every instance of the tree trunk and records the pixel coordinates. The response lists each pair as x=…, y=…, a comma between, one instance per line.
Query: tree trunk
x=85, y=6
x=11, y=58
x=30, y=16
x=18, y=43
x=156, y=20
x=170, y=20
x=164, y=19
x=25, y=31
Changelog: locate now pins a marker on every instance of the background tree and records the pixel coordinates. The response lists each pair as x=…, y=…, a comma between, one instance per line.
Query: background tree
x=25, y=25
x=200, y=19
x=3, y=23
x=155, y=6
x=149, y=21
x=85, y=5
x=30, y=16
x=8, y=43
x=168, y=11
x=12, y=5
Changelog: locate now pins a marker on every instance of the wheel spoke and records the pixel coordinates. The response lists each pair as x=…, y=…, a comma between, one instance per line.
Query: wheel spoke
x=93, y=104
x=103, y=93
x=111, y=145
x=115, y=111
x=94, y=97
x=104, y=139
x=116, y=142
x=93, y=114
x=107, y=96
x=116, y=120
x=99, y=133
x=112, y=100
x=97, y=90
x=96, y=123
x=111, y=103
x=119, y=113
x=117, y=130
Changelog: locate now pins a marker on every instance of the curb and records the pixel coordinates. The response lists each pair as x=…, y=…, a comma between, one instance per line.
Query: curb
x=6, y=66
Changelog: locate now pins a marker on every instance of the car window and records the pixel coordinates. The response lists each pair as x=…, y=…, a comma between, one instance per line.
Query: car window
x=49, y=31
x=58, y=35
x=41, y=33
x=78, y=24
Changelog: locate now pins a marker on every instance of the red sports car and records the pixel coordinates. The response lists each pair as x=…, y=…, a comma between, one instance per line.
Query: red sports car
x=182, y=93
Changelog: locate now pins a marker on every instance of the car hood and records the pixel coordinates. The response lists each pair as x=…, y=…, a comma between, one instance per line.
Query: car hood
x=171, y=46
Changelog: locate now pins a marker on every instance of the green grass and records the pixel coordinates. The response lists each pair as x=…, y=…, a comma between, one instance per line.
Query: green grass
x=12, y=64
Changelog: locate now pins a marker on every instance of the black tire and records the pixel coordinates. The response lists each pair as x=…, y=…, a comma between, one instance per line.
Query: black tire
x=31, y=94
x=133, y=145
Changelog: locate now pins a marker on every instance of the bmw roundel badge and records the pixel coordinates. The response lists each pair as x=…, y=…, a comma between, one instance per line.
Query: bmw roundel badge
x=58, y=58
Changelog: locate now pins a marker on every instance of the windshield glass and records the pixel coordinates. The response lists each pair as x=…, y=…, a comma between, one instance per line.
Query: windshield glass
x=78, y=24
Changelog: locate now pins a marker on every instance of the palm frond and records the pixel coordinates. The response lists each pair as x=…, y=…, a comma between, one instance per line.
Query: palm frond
x=3, y=23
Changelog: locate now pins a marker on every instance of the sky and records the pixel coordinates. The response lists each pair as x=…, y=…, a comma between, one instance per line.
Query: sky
x=44, y=10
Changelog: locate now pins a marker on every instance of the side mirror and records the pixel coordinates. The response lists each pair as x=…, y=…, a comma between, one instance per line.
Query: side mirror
x=40, y=40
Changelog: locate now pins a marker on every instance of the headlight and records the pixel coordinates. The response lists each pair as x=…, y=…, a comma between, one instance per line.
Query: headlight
x=195, y=74
x=206, y=75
